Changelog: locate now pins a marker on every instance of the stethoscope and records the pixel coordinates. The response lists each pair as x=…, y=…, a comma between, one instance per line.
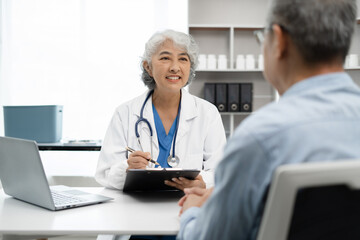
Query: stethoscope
x=172, y=160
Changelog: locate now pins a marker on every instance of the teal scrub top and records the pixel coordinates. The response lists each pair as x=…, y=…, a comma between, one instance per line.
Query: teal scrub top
x=165, y=141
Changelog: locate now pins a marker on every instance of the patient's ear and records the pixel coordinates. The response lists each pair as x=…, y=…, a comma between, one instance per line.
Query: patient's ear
x=282, y=41
x=147, y=68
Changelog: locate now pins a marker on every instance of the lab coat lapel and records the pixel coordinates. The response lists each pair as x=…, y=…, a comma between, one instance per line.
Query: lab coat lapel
x=143, y=128
x=149, y=115
x=188, y=112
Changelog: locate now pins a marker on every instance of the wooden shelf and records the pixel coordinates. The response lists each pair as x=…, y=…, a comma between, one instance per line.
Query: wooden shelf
x=352, y=68
x=210, y=28
x=230, y=38
x=225, y=27
x=248, y=28
x=229, y=70
x=257, y=70
x=235, y=113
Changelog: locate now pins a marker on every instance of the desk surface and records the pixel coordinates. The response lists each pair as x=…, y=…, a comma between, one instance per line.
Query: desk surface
x=68, y=147
x=136, y=214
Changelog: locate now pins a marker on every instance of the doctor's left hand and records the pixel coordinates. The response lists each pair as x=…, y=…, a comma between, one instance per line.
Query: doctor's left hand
x=181, y=183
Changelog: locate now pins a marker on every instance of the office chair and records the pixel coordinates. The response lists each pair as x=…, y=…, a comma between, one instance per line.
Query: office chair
x=313, y=201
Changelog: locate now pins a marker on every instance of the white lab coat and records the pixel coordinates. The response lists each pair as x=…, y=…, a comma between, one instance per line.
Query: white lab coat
x=199, y=142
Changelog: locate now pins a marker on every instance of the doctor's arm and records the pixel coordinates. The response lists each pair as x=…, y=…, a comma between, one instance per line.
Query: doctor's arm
x=112, y=163
x=214, y=143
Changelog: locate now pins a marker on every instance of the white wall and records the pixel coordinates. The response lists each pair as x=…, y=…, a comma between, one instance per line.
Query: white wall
x=1, y=88
x=84, y=55
x=241, y=12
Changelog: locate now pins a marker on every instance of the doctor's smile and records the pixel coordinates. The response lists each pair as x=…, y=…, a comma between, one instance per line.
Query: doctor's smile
x=173, y=78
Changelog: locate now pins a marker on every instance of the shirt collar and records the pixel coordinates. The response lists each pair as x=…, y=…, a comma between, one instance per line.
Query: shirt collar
x=319, y=81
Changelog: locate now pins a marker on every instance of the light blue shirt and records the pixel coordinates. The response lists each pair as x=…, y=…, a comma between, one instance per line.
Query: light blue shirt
x=317, y=119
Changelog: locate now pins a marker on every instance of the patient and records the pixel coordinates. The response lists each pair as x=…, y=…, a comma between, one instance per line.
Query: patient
x=317, y=118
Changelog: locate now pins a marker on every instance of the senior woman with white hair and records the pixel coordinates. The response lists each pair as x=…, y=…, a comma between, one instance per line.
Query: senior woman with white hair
x=187, y=131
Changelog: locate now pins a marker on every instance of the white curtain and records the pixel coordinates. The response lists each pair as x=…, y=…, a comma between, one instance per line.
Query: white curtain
x=83, y=54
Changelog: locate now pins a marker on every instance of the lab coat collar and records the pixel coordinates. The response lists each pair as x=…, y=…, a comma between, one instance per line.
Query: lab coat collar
x=139, y=101
x=188, y=106
x=188, y=112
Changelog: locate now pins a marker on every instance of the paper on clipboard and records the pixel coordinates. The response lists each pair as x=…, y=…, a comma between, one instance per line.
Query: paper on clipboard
x=152, y=179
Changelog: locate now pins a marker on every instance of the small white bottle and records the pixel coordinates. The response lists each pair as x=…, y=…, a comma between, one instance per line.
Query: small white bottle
x=261, y=62
x=202, y=62
x=250, y=62
x=240, y=62
x=222, y=62
x=346, y=64
x=353, y=60
x=211, y=62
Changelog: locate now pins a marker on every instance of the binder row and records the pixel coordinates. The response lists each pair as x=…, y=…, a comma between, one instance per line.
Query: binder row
x=230, y=97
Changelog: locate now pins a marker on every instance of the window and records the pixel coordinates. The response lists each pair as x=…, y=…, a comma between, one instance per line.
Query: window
x=83, y=54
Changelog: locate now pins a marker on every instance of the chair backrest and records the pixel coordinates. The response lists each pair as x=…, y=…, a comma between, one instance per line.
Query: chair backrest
x=290, y=180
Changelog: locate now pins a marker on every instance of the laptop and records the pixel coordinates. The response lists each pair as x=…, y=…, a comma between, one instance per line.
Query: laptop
x=23, y=177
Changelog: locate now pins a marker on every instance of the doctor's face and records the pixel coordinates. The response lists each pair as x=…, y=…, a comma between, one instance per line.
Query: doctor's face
x=170, y=67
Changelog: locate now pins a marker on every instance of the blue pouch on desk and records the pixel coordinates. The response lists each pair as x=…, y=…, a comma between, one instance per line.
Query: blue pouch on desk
x=42, y=124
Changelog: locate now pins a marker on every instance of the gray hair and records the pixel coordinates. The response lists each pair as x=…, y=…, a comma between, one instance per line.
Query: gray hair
x=321, y=29
x=182, y=40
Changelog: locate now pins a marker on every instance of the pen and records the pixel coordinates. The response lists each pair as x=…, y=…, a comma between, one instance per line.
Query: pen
x=150, y=160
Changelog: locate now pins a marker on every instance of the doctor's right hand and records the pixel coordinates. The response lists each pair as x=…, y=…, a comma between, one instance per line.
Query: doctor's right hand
x=138, y=160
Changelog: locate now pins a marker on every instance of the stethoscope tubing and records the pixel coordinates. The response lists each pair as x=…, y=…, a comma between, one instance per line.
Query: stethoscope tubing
x=142, y=119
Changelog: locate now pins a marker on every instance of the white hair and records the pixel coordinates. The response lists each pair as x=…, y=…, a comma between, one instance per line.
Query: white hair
x=181, y=40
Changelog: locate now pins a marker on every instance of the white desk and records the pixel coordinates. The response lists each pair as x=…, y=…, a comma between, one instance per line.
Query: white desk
x=136, y=214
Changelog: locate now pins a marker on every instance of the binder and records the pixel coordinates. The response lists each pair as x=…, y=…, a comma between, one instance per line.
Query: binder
x=233, y=97
x=246, y=97
x=209, y=92
x=221, y=97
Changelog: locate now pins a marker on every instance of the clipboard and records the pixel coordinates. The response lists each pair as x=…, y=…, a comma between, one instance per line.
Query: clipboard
x=140, y=180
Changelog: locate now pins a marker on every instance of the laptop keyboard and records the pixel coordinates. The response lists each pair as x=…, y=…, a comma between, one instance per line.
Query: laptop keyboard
x=63, y=199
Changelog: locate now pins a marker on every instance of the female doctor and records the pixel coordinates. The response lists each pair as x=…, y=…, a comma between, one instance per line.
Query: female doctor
x=166, y=123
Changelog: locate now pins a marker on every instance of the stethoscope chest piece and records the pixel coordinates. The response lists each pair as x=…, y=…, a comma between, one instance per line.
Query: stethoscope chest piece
x=173, y=161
